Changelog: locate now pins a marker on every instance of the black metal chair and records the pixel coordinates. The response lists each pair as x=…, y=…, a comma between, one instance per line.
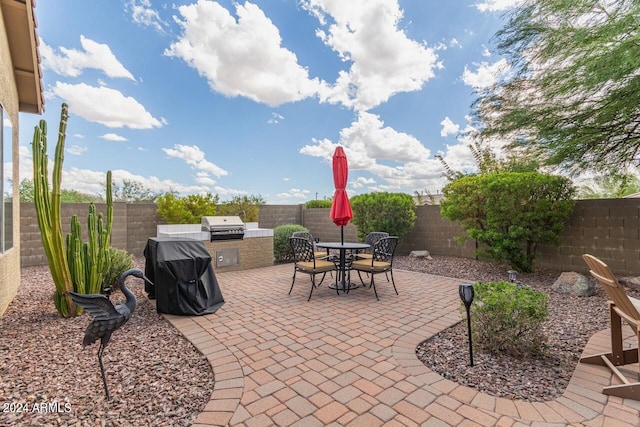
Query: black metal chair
x=309, y=237
x=380, y=262
x=371, y=240
x=306, y=262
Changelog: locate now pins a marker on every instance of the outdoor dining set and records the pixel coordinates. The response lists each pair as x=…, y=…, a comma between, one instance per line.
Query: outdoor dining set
x=372, y=257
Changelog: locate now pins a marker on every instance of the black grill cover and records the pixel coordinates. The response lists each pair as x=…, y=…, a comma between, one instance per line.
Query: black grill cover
x=183, y=278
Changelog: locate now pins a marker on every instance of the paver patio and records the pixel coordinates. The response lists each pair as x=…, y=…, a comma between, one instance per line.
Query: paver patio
x=350, y=360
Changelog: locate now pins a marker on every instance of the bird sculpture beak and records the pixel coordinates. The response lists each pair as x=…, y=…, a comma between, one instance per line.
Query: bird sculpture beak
x=146, y=279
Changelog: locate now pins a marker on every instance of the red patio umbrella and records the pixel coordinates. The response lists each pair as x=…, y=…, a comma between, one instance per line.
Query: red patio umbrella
x=341, y=212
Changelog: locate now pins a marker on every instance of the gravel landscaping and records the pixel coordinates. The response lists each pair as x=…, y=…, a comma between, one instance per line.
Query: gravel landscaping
x=155, y=376
x=572, y=321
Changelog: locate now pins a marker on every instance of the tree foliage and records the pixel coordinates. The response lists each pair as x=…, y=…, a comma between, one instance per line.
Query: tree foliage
x=511, y=212
x=318, y=203
x=246, y=207
x=186, y=210
x=390, y=212
x=134, y=192
x=572, y=97
x=26, y=192
x=610, y=186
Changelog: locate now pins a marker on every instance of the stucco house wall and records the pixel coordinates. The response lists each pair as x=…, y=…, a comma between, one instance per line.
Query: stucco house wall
x=20, y=91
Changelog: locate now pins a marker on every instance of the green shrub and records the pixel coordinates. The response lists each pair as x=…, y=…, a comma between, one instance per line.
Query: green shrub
x=390, y=212
x=507, y=318
x=511, y=212
x=314, y=204
x=281, y=246
x=119, y=262
x=186, y=210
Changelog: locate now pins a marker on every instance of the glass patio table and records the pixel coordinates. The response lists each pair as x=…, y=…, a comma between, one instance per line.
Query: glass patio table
x=342, y=266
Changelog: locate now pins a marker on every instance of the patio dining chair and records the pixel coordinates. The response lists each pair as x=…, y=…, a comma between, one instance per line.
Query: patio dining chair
x=371, y=240
x=380, y=262
x=309, y=237
x=306, y=262
x=621, y=307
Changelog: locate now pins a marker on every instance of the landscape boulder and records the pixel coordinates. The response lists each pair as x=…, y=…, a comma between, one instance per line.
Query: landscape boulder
x=630, y=282
x=420, y=254
x=575, y=284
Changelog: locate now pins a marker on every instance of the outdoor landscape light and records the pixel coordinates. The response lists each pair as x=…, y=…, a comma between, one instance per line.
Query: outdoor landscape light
x=466, y=295
x=513, y=276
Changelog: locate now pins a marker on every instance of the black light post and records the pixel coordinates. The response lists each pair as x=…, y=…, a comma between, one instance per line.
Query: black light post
x=466, y=295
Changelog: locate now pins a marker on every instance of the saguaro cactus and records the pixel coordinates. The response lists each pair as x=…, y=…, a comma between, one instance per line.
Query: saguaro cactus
x=80, y=266
x=47, y=204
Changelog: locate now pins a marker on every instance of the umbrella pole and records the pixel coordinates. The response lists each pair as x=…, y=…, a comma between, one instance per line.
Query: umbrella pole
x=342, y=234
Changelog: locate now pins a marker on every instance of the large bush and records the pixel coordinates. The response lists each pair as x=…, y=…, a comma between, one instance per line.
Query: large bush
x=315, y=204
x=246, y=207
x=281, y=246
x=390, y=212
x=511, y=212
x=186, y=210
x=507, y=319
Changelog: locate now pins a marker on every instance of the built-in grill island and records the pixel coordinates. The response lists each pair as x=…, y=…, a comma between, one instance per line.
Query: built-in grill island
x=232, y=244
x=223, y=227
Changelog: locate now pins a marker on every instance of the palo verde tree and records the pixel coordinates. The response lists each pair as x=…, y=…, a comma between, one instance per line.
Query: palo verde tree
x=511, y=212
x=573, y=92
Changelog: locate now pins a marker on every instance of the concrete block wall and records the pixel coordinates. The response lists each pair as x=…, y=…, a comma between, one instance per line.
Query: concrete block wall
x=608, y=229
x=272, y=216
x=132, y=226
x=318, y=222
x=436, y=234
x=142, y=221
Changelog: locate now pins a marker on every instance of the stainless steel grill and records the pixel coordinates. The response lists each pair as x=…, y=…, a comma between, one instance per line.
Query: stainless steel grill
x=223, y=227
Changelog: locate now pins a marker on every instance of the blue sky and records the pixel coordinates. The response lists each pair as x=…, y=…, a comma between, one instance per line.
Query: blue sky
x=251, y=98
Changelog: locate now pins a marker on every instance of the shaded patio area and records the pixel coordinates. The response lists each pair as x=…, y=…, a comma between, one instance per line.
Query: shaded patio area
x=350, y=360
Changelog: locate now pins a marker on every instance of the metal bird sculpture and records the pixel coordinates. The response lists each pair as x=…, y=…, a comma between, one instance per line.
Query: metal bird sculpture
x=107, y=318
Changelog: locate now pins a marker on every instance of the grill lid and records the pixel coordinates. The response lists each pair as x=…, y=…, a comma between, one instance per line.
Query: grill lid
x=222, y=223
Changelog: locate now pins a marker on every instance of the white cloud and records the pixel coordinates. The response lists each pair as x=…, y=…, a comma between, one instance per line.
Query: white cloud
x=486, y=74
x=384, y=61
x=142, y=13
x=242, y=57
x=71, y=62
x=362, y=182
x=397, y=159
x=106, y=106
x=93, y=182
x=76, y=150
x=497, y=5
x=448, y=127
x=295, y=193
x=275, y=118
x=194, y=157
x=113, y=137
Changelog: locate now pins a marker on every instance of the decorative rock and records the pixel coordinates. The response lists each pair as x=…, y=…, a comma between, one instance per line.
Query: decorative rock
x=574, y=283
x=630, y=282
x=420, y=254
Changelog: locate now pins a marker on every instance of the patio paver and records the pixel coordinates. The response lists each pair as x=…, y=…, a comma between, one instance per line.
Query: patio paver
x=350, y=360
